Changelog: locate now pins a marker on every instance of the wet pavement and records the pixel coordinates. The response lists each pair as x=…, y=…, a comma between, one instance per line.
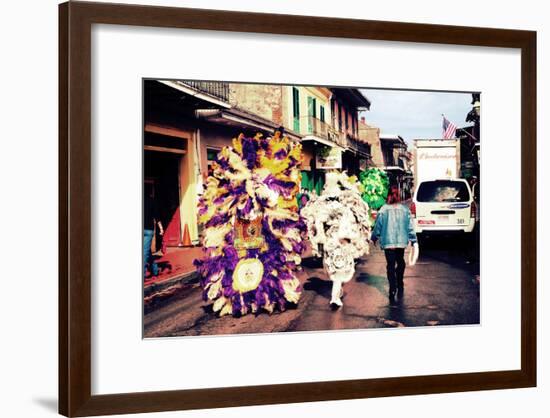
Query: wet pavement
x=441, y=289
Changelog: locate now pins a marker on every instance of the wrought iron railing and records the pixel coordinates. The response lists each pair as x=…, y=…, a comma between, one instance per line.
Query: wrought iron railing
x=357, y=144
x=217, y=89
x=324, y=130
x=315, y=126
x=338, y=137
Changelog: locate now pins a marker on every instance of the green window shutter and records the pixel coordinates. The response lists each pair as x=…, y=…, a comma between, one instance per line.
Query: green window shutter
x=322, y=113
x=296, y=102
x=307, y=180
x=319, y=182
x=310, y=113
x=296, y=108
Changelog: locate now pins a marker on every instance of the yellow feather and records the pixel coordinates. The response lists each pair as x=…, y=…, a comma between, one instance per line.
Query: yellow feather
x=227, y=309
x=296, y=152
x=238, y=145
x=291, y=293
x=208, y=215
x=274, y=166
x=219, y=303
x=214, y=237
x=287, y=203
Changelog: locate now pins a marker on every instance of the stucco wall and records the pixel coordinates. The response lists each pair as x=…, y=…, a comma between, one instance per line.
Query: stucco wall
x=264, y=100
x=371, y=134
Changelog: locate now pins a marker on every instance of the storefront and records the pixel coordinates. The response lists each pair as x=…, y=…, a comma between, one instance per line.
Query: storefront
x=168, y=178
x=354, y=162
x=318, y=156
x=170, y=161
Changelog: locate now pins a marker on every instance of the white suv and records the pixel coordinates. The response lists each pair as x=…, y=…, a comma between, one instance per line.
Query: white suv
x=445, y=205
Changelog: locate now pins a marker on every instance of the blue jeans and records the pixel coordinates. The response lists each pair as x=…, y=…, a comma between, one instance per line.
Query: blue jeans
x=148, y=235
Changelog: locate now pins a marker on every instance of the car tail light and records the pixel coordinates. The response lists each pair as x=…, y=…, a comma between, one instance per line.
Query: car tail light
x=412, y=207
x=473, y=210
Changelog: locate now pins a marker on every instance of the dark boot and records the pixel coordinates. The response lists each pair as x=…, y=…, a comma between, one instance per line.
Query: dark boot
x=400, y=293
x=391, y=297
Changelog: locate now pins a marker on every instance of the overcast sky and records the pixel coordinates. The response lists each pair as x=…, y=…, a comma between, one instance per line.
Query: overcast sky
x=414, y=114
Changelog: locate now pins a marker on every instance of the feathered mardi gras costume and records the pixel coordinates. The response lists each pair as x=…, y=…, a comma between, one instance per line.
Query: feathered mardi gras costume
x=339, y=221
x=375, y=184
x=252, y=230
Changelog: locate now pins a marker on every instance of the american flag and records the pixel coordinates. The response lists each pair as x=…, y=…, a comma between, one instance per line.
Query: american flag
x=449, y=129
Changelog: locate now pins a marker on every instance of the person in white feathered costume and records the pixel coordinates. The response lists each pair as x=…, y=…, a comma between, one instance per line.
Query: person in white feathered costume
x=338, y=229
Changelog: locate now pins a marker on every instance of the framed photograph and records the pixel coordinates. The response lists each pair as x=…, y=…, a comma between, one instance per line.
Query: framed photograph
x=259, y=209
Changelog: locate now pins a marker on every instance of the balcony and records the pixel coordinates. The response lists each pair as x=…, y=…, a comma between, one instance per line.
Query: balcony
x=320, y=129
x=338, y=137
x=348, y=141
x=316, y=127
x=357, y=145
x=215, y=89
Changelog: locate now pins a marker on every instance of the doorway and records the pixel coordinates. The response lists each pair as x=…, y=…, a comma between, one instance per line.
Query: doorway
x=161, y=182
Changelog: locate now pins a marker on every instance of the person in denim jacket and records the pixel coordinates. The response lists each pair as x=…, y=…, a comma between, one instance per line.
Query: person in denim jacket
x=394, y=229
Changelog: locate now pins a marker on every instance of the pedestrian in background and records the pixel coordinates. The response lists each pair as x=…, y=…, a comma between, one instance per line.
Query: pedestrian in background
x=150, y=221
x=394, y=230
x=303, y=198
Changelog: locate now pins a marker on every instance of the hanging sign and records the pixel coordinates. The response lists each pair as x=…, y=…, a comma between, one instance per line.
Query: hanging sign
x=328, y=158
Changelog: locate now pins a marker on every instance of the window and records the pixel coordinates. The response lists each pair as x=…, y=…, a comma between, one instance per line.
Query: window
x=443, y=191
x=345, y=120
x=312, y=106
x=388, y=156
x=312, y=112
x=296, y=109
x=322, y=113
x=211, y=156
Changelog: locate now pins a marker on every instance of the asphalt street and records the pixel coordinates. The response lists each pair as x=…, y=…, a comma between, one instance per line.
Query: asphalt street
x=441, y=289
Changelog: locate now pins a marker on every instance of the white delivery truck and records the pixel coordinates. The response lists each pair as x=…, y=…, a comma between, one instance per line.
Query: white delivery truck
x=442, y=201
x=436, y=158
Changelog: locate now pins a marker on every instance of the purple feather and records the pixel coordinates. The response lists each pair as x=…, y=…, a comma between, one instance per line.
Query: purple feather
x=270, y=289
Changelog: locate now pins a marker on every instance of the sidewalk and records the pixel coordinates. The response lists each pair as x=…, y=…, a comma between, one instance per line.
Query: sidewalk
x=177, y=265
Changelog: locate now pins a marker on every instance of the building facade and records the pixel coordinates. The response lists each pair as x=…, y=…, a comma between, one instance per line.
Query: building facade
x=186, y=123
x=390, y=153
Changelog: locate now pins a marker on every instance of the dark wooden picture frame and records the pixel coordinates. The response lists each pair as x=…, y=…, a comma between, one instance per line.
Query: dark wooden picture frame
x=75, y=25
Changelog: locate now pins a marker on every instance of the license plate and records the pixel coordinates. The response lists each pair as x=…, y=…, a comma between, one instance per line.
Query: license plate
x=443, y=217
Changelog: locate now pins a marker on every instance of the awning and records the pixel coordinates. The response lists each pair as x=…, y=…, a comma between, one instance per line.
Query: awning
x=240, y=119
x=353, y=96
x=393, y=139
x=393, y=168
x=360, y=153
x=320, y=140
